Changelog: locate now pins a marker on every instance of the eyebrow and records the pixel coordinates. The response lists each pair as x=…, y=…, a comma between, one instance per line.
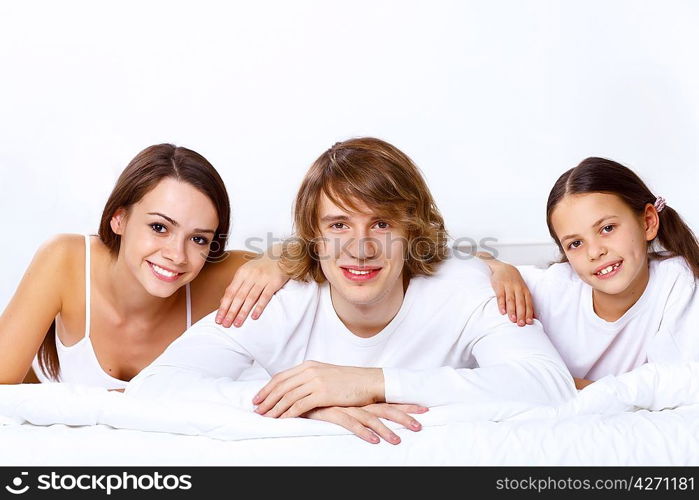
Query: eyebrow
x=332, y=218
x=176, y=224
x=597, y=223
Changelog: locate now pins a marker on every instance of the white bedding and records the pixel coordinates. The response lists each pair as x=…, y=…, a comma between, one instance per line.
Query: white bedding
x=649, y=417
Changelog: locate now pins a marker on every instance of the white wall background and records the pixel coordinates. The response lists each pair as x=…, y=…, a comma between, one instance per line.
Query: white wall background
x=492, y=99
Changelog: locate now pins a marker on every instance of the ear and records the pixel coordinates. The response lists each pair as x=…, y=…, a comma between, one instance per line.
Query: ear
x=651, y=222
x=118, y=221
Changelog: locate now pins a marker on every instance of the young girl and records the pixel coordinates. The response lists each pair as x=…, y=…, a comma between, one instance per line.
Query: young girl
x=111, y=303
x=625, y=292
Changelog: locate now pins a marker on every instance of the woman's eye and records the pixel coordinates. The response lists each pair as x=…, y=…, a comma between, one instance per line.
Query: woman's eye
x=200, y=240
x=158, y=228
x=575, y=244
x=608, y=229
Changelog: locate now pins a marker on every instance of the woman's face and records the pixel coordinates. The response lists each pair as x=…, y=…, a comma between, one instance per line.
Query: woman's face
x=165, y=237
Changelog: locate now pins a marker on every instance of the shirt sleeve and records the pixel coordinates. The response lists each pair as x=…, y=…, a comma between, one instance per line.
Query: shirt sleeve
x=201, y=365
x=677, y=339
x=532, y=276
x=516, y=364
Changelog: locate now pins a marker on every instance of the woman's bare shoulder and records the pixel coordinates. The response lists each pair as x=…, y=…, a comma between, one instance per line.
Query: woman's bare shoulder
x=64, y=248
x=223, y=270
x=211, y=283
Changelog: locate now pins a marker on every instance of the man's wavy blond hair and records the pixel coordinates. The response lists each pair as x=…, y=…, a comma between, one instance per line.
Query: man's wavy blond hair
x=378, y=174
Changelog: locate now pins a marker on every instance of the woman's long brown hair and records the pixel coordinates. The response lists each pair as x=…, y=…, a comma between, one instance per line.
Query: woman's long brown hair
x=142, y=174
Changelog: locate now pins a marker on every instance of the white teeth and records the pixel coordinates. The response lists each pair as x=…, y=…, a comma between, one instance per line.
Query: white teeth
x=358, y=272
x=609, y=269
x=164, y=272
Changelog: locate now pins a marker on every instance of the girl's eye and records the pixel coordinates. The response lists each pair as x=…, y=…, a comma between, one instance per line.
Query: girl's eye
x=158, y=228
x=337, y=225
x=382, y=225
x=574, y=244
x=608, y=229
x=200, y=240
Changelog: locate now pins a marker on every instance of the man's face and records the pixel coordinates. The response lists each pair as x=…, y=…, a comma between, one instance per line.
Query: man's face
x=361, y=254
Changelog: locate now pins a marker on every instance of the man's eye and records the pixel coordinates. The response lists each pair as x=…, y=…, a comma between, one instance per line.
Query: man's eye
x=337, y=225
x=383, y=225
x=158, y=228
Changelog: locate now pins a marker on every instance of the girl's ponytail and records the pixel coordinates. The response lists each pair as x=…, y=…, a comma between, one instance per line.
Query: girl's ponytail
x=677, y=238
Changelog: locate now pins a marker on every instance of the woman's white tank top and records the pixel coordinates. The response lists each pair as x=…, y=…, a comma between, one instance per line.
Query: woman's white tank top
x=78, y=362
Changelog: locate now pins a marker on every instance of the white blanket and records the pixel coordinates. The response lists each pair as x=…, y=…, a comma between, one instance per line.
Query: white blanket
x=647, y=417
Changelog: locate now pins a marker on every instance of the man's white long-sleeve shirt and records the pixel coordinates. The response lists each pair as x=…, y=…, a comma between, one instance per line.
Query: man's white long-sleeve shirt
x=448, y=343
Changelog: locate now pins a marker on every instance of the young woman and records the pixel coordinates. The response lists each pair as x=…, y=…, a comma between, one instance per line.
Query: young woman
x=625, y=292
x=111, y=303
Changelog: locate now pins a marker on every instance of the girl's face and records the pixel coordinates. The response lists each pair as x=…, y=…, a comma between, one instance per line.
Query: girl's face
x=605, y=241
x=165, y=237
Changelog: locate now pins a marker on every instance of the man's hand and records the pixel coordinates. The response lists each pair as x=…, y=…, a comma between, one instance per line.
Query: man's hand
x=365, y=422
x=311, y=384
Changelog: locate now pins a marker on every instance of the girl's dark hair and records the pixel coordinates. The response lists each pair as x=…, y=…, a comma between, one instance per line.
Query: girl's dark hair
x=142, y=174
x=600, y=175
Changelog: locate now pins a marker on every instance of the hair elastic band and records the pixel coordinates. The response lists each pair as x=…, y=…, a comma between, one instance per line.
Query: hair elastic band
x=659, y=204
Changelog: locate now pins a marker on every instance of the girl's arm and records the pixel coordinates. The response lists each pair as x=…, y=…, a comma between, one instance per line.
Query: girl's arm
x=514, y=297
x=32, y=309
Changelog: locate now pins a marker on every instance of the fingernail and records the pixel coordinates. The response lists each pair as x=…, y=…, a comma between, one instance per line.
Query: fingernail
x=415, y=425
x=256, y=399
x=255, y=316
x=238, y=323
x=395, y=439
x=374, y=439
x=530, y=322
x=513, y=317
x=218, y=320
x=520, y=323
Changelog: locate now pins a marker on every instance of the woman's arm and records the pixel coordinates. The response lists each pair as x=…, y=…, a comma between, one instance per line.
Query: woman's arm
x=32, y=309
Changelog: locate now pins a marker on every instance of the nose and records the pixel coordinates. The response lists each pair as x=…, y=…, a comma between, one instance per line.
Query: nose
x=174, y=251
x=363, y=246
x=595, y=251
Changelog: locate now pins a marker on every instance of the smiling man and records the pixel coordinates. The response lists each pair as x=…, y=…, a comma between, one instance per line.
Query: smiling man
x=375, y=313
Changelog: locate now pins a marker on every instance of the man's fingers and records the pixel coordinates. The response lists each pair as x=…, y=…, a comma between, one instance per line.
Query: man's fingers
x=500, y=294
x=407, y=408
x=278, y=379
x=521, y=307
x=249, y=301
x=285, y=395
x=372, y=422
x=511, y=307
x=237, y=301
x=530, y=308
x=262, y=302
x=394, y=414
x=343, y=419
x=226, y=301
